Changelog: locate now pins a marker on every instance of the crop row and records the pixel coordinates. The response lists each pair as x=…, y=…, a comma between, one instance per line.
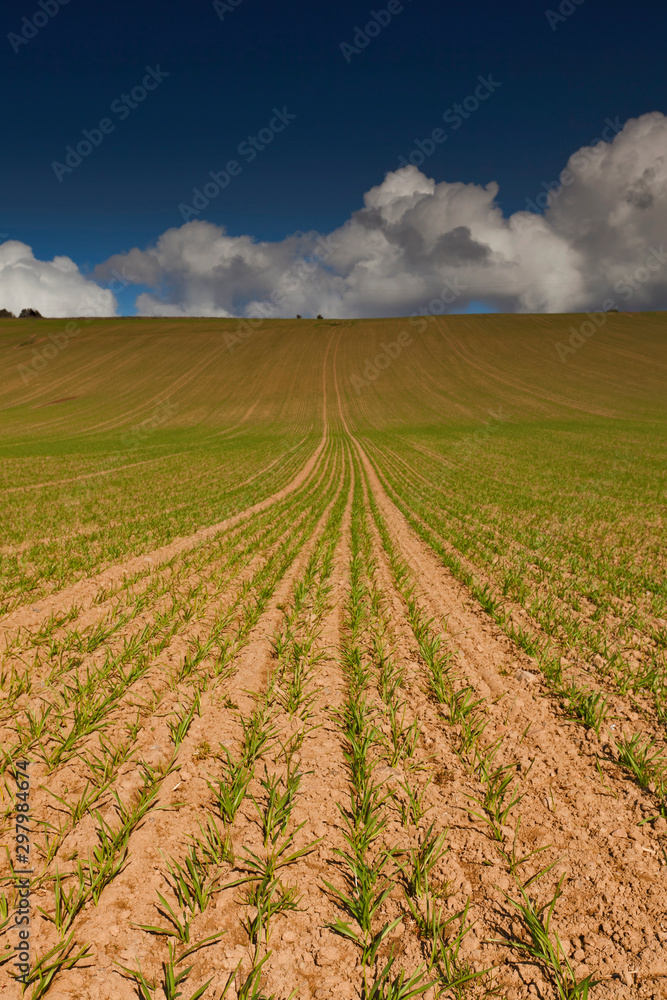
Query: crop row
x=66, y=533
x=562, y=629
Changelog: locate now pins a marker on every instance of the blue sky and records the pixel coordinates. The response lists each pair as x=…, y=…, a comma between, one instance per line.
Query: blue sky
x=356, y=113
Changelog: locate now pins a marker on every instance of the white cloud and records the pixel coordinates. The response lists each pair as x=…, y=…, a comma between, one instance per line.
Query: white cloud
x=417, y=245
x=55, y=288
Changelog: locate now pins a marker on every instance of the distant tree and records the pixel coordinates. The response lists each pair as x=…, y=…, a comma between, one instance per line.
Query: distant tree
x=6, y=314
x=298, y=316
x=30, y=314
x=319, y=316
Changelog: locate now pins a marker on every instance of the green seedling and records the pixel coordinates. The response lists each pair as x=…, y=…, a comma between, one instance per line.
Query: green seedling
x=440, y=682
x=232, y=786
x=514, y=860
x=390, y=677
x=642, y=756
x=215, y=845
x=364, y=819
x=275, y=815
x=77, y=810
x=36, y=725
x=62, y=956
x=281, y=856
x=494, y=802
x=190, y=883
x=258, y=734
x=293, y=745
x=471, y=729
x=423, y=860
x=358, y=756
x=401, y=987
x=367, y=891
x=404, y=739
x=154, y=776
x=543, y=944
x=67, y=904
x=414, y=808
x=146, y=990
x=104, y=864
x=104, y=766
x=250, y=989
x=462, y=704
x=485, y=597
x=269, y=898
x=132, y=813
x=445, y=944
x=180, y=922
x=178, y=729
x=171, y=978
x=134, y=728
x=589, y=706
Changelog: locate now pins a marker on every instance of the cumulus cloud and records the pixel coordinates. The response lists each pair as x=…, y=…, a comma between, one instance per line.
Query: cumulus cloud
x=420, y=246
x=55, y=288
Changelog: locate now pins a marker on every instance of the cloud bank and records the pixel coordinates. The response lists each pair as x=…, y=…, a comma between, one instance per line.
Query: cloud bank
x=55, y=288
x=418, y=246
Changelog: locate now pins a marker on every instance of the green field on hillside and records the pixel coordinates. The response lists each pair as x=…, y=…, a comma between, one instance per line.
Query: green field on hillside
x=118, y=435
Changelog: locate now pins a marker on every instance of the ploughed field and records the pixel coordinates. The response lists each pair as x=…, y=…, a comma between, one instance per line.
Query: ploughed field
x=336, y=650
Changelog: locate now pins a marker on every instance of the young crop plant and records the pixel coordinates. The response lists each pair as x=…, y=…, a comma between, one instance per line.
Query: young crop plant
x=190, y=882
x=231, y=788
x=365, y=818
x=422, y=861
x=275, y=815
x=172, y=978
x=178, y=729
x=462, y=704
x=258, y=734
x=413, y=808
x=83, y=805
x=542, y=944
x=298, y=662
x=514, y=860
x=404, y=739
x=390, y=674
x=589, y=706
x=643, y=757
x=401, y=987
x=367, y=890
x=251, y=988
x=268, y=897
x=464, y=711
x=439, y=669
x=214, y=847
x=443, y=937
x=62, y=956
x=67, y=903
x=281, y=855
x=193, y=890
x=499, y=798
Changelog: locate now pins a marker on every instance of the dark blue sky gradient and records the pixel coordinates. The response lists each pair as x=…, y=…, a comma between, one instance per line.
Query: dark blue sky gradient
x=353, y=120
